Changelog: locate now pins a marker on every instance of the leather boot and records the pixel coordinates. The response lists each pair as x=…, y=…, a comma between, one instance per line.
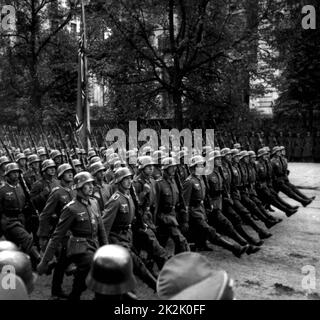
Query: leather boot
x=253, y=249
x=262, y=233
x=247, y=236
x=235, y=248
x=306, y=202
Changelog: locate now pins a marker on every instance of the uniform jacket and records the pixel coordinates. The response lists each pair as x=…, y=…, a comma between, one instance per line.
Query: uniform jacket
x=102, y=193
x=58, y=198
x=170, y=209
x=40, y=192
x=82, y=218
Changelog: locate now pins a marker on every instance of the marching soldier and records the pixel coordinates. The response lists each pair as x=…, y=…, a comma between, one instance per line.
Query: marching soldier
x=58, y=198
x=194, y=192
x=216, y=217
x=267, y=195
x=21, y=159
x=42, y=188
x=82, y=217
x=118, y=217
x=3, y=162
x=56, y=156
x=13, y=212
x=33, y=173
x=281, y=182
x=171, y=215
x=240, y=161
x=101, y=191
x=77, y=165
x=144, y=236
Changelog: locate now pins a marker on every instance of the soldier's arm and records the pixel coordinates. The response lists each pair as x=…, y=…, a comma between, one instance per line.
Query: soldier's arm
x=46, y=215
x=187, y=191
x=103, y=239
x=66, y=219
x=140, y=191
x=38, y=194
x=109, y=214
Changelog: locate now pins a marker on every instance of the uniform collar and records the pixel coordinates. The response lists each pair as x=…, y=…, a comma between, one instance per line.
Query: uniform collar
x=83, y=200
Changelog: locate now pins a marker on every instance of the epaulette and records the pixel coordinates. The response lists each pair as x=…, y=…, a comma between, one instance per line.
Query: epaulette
x=159, y=179
x=55, y=189
x=69, y=204
x=189, y=178
x=115, y=196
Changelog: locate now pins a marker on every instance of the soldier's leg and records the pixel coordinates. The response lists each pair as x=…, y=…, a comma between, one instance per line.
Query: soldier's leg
x=259, y=204
x=253, y=208
x=224, y=226
x=58, y=273
x=245, y=215
x=147, y=240
x=140, y=269
x=237, y=222
x=180, y=242
x=297, y=191
x=83, y=263
x=288, y=192
x=217, y=239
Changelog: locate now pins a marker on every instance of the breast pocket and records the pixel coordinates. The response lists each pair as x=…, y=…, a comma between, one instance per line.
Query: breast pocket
x=82, y=217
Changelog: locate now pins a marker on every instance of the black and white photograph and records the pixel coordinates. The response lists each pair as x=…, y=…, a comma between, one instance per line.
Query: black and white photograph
x=164, y=150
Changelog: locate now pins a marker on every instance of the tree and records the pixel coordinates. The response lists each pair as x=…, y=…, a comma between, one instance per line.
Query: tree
x=177, y=52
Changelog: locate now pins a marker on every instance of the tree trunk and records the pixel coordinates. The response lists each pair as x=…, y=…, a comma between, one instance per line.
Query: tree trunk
x=178, y=115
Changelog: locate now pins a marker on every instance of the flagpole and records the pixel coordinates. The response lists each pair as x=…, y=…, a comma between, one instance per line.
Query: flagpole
x=87, y=125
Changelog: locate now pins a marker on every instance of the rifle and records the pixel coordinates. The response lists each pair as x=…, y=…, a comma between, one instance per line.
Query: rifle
x=137, y=204
x=72, y=141
x=22, y=182
x=33, y=142
x=46, y=142
x=66, y=149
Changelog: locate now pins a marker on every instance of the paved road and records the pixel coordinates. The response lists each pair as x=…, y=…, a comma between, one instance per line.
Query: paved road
x=276, y=271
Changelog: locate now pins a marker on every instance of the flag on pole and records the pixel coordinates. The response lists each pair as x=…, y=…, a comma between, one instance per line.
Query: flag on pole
x=83, y=110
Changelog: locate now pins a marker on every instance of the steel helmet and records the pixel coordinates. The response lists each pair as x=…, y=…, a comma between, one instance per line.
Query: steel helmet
x=96, y=167
x=33, y=158
x=225, y=151
x=145, y=161
x=27, y=152
x=20, y=156
x=243, y=154
x=237, y=146
x=54, y=154
x=168, y=162
x=196, y=160
x=94, y=160
x=91, y=154
x=252, y=154
x=42, y=152
x=21, y=264
x=262, y=152
x=8, y=246
x=235, y=153
x=62, y=169
x=4, y=160
x=118, y=164
x=122, y=173
x=275, y=150
x=76, y=162
x=82, y=178
x=111, y=271
x=267, y=149
x=13, y=166
x=147, y=149
x=215, y=155
x=49, y=163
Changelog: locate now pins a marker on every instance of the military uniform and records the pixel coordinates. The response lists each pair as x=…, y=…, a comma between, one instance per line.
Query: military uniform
x=58, y=198
x=12, y=214
x=183, y=172
x=118, y=217
x=232, y=207
x=281, y=181
x=267, y=195
x=102, y=192
x=83, y=219
x=215, y=216
x=169, y=211
x=31, y=176
x=157, y=173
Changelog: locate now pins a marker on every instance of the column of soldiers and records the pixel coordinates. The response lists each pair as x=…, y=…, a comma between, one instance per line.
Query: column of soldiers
x=60, y=210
